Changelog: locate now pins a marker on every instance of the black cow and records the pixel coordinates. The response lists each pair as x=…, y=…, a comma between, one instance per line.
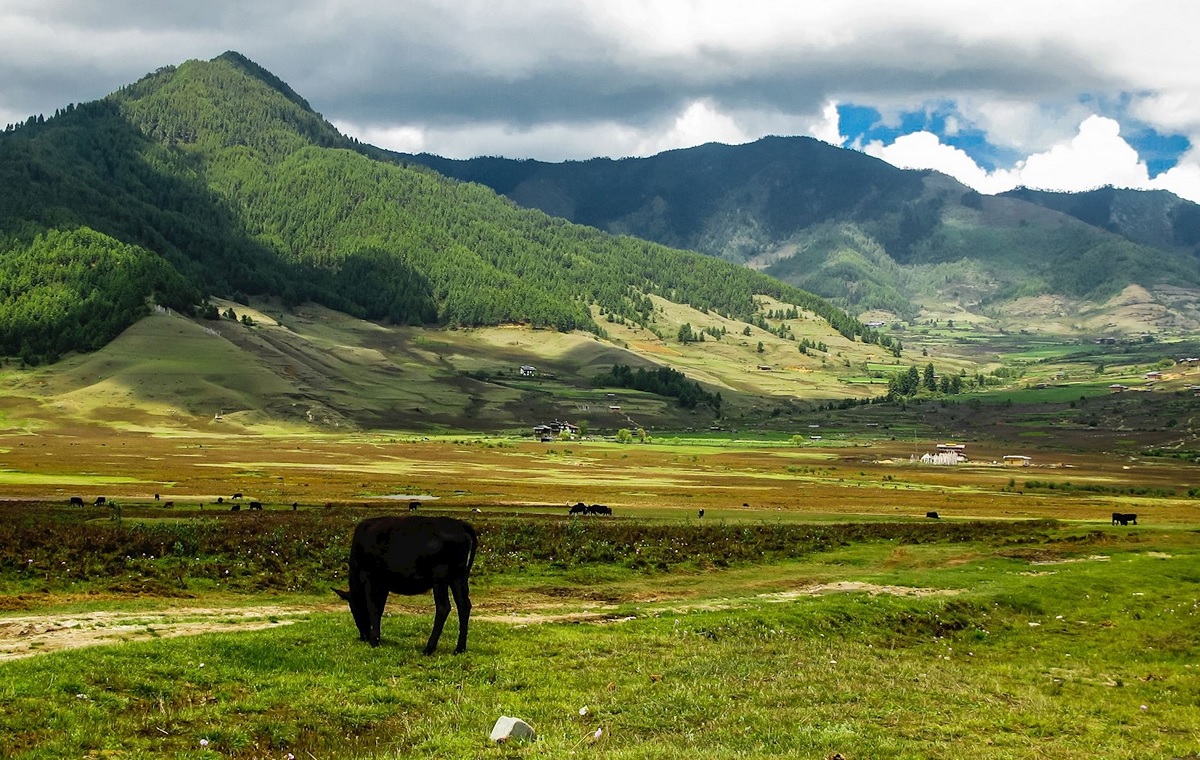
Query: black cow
x=295, y=505
x=413, y=506
x=410, y=555
x=932, y=515
x=700, y=513
x=579, y=509
x=256, y=505
x=168, y=504
x=156, y=497
x=599, y=509
x=1124, y=518
x=76, y=501
x=100, y=500
x=237, y=496
x=236, y=508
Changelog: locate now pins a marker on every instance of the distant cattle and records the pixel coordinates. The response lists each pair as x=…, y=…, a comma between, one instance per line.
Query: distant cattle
x=295, y=505
x=410, y=555
x=168, y=504
x=235, y=508
x=1124, y=518
x=599, y=509
x=237, y=496
x=220, y=499
x=933, y=515
x=156, y=497
x=700, y=513
x=76, y=501
x=579, y=508
x=100, y=500
x=256, y=505
x=413, y=506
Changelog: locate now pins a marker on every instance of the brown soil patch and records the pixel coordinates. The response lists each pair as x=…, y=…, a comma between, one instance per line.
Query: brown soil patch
x=29, y=635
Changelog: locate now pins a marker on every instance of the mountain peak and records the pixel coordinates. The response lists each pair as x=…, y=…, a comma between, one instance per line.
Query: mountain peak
x=250, y=68
x=226, y=102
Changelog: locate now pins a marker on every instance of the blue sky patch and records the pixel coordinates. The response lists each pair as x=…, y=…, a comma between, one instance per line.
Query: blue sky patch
x=864, y=124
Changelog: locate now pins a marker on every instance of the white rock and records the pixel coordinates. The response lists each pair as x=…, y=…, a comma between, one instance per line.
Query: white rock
x=511, y=729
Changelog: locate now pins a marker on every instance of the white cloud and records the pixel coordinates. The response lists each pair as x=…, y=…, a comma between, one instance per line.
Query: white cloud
x=1097, y=155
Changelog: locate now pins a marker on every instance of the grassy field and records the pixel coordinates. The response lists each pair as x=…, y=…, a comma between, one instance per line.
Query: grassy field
x=813, y=610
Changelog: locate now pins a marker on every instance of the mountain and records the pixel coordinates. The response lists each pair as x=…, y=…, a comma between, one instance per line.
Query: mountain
x=870, y=236
x=216, y=178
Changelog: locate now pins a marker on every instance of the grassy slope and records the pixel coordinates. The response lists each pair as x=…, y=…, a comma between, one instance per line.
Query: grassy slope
x=311, y=366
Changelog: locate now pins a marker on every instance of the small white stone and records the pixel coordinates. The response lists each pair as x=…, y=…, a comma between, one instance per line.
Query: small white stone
x=510, y=729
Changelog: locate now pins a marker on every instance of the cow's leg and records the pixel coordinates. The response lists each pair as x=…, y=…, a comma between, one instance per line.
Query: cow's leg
x=376, y=598
x=462, y=601
x=441, y=611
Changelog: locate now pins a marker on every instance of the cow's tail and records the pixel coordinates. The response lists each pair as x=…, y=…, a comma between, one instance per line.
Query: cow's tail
x=474, y=546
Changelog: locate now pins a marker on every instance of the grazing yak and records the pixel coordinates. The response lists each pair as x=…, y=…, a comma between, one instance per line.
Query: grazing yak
x=1124, y=518
x=599, y=509
x=256, y=505
x=100, y=500
x=932, y=515
x=410, y=555
x=76, y=501
x=578, y=509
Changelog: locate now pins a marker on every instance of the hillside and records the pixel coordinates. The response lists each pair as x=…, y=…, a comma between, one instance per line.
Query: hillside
x=215, y=178
x=876, y=239
x=267, y=368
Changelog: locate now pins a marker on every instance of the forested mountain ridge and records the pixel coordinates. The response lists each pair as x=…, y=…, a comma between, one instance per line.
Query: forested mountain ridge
x=862, y=232
x=216, y=178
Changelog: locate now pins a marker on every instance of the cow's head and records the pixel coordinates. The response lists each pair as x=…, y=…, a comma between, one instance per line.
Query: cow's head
x=358, y=608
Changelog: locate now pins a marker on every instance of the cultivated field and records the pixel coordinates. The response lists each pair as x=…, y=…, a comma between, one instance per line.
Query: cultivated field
x=813, y=610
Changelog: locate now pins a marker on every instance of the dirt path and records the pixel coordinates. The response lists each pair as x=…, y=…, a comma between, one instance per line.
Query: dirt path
x=29, y=635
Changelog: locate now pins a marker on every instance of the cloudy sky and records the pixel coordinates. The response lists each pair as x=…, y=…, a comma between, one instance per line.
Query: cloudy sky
x=1056, y=94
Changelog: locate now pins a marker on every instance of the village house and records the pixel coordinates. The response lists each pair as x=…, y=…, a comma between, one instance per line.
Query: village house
x=528, y=370
x=1017, y=460
x=553, y=430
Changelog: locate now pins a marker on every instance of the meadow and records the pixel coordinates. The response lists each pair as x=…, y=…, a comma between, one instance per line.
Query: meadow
x=812, y=611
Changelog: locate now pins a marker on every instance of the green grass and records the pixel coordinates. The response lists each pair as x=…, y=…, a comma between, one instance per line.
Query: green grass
x=1027, y=639
x=735, y=675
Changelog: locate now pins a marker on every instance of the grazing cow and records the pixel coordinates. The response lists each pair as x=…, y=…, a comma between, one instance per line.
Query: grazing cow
x=235, y=508
x=579, y=509
x=100, y=500
x=1124, y=518
x=295, y=505
x=220, y=499
x=700, y=513
x=256, y=505
x=410, y=555
x=237, y=496
x=156, y=497
x=413, y=506
x=932, y=515
x=599, y=509
x=76, y=501
x=168, y=504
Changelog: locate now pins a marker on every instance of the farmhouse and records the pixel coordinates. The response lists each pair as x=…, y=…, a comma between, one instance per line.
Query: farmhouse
x=1117, y=388
x=554, y=429
x=1017, y=460
x=1156, y=375
x=958, y=448
x=943, y=457
x=528, y=370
